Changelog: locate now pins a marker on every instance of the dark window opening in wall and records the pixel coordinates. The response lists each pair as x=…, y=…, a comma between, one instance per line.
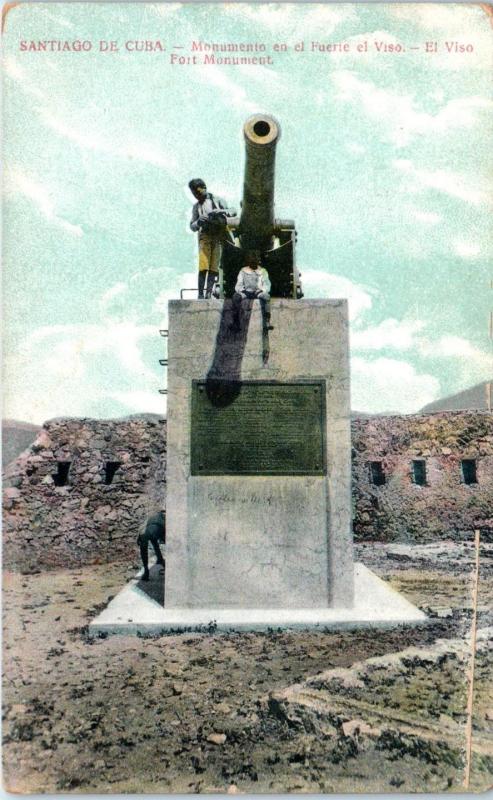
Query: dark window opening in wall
x=61, y=476
x=468, y=470
x=377, y=475
x=419, y=472
x=110, y=470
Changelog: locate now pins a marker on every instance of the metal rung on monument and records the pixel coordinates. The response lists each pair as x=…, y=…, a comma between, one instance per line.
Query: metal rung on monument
x=164, y=332
x=163, y=362
x=163, y=391
x=186, y=290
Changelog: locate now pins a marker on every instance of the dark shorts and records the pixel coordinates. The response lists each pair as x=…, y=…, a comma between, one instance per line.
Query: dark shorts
x=155, y=530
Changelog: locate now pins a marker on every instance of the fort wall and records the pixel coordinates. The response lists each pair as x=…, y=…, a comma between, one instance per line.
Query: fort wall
x=422, y=477
x=82, y=492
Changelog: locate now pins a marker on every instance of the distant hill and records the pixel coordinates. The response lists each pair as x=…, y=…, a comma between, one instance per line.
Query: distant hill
x=475, y=398
x=16, y=437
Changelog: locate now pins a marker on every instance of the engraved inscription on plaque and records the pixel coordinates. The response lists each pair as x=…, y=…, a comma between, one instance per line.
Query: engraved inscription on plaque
x=265, y=428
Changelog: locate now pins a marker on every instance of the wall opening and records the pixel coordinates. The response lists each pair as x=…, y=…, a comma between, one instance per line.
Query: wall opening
x=377, y=475
x=419, y=472
x=109, y=471
x=468, y=470
x=60, y=478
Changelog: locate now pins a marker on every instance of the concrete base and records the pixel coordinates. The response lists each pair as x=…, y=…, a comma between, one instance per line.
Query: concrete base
x=135, y=610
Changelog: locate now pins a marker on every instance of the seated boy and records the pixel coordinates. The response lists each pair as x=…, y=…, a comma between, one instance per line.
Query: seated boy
x=253, y=283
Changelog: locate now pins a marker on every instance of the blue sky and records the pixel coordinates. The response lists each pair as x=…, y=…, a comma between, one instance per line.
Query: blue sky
x=383, y=162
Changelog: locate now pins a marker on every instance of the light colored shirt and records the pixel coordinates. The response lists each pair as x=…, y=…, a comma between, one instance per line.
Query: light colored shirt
x=202, y=209
x=262, y=282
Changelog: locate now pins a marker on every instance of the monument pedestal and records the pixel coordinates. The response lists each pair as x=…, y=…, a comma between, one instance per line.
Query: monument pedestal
x=258, y=461
x=136, y=610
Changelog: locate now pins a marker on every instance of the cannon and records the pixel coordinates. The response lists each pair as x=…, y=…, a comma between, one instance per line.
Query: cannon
x=257, y=230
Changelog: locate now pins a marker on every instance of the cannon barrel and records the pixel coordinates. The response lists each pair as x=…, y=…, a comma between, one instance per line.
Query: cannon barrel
x=262, y=132
x=273, y=240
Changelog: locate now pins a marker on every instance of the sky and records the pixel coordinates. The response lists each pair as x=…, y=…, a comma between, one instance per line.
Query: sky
x=384, y=162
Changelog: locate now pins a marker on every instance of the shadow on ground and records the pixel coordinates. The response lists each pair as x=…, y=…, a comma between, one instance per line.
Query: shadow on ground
x=154, y=587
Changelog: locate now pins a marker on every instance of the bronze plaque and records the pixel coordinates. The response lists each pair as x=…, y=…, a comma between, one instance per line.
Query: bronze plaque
x=258, y=428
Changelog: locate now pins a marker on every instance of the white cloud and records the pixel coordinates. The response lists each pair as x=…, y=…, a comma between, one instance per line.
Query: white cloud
x=187, y=280
x=323, y=284
x=234, y=93
x=453, y=184
x=42, y=197
x=461, y=359
x=314, y=19
x=227, y=192
x=114, y=305
x=13, y=69
x=466, y=250
x=151, y=272
x=165, y=9
x=355, y=149
x=132, y=149
x=401, y=115
x=141, y=402
x=386, y=384
x=428, y=217
x=463, y=22
x=467, y=363
x=39, y=194
x=143, y=151
x=58, y=20
x=435, y=16
x=120, y=340
x=457, y=347
x=114, y=291
x=52, y=371
x=264, y=75
x=388, y=334
x=81, y=137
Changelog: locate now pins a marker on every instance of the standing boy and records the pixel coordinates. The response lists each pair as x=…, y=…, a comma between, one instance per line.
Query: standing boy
x=209, y=216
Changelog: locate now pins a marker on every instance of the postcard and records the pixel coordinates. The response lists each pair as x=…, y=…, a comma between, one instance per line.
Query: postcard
x=247, y=435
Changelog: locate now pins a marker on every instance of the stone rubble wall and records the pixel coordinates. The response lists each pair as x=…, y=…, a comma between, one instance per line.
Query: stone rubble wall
x=87, y=521
x=444, y=508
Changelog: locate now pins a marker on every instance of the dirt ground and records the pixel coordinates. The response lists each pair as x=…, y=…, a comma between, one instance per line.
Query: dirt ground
x=191, y=713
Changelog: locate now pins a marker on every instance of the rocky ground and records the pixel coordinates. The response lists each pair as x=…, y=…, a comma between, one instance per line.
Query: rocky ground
x=201, y=712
